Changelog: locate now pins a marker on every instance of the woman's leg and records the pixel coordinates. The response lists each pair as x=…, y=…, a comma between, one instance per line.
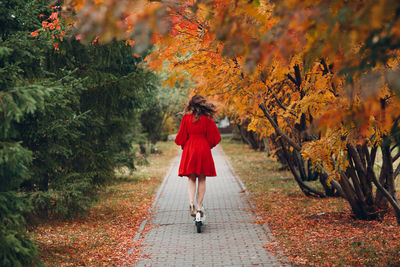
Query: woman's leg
x=201, y=190
x=191, y=187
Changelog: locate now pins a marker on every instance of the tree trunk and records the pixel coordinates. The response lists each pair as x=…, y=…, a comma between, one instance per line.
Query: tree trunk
x=308, y=191
x=386, y=189
x=356, y=206
x=250, y=137
x=293, y=158
x=329, y=190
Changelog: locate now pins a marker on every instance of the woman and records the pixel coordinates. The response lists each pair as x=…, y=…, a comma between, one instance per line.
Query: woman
x=197, y=135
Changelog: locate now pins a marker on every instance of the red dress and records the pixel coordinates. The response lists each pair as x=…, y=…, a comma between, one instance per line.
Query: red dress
x=197, y=139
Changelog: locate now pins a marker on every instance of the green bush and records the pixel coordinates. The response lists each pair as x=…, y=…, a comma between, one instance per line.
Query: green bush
x=16, y=249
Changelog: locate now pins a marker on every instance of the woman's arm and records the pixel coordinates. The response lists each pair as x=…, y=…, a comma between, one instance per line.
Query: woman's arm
x=182, y=135
x=213, y=136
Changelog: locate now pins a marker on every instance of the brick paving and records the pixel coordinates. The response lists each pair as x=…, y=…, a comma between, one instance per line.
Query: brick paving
x=229, y=236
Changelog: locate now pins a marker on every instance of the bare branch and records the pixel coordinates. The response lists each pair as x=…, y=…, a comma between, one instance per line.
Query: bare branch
x=388, y=196
x=277, y=129
x=396, y=157
x=396, y=172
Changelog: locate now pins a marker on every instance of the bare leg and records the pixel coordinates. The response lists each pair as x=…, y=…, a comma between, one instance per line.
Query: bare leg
x=191, y=187
x=201, y=190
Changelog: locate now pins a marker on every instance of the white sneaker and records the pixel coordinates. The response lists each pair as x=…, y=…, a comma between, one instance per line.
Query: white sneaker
x=200, y=214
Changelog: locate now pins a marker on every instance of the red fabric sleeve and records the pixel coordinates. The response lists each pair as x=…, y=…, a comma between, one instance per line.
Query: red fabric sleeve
x=182, y=135
x=213, y=136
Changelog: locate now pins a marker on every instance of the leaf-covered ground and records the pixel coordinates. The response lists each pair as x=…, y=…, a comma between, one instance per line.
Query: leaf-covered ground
x=312, y=232
x=105, y=236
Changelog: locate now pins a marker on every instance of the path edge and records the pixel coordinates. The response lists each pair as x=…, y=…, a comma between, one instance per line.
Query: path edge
x=155, y=201
x=265, y=227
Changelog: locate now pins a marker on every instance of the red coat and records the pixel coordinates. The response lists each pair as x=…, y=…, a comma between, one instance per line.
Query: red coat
x=197, y=139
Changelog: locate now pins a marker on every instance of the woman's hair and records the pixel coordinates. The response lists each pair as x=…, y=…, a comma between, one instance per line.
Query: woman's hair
x=198, y=105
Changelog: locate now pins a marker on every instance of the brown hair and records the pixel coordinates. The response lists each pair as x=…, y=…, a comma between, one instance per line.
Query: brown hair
x=198, y=105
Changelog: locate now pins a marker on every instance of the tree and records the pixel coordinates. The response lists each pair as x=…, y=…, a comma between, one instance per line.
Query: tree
x=69, y=115
x=167, y=101
x=20, y=96
x=302, y=97
x=319, y=65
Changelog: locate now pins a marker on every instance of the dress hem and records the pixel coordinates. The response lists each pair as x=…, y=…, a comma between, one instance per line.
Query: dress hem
x=187, y=175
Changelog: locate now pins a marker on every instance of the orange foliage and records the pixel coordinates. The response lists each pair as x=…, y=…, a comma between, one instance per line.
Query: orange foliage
x=330, y=67
x=242, y=54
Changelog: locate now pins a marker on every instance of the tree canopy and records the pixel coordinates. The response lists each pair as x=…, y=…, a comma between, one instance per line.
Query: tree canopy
x=318, y=78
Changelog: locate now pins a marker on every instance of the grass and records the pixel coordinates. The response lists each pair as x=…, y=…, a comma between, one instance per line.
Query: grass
x=310, y=231
x=105, y=235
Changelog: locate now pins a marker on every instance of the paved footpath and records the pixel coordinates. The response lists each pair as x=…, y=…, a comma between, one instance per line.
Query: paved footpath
x=229, y=236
